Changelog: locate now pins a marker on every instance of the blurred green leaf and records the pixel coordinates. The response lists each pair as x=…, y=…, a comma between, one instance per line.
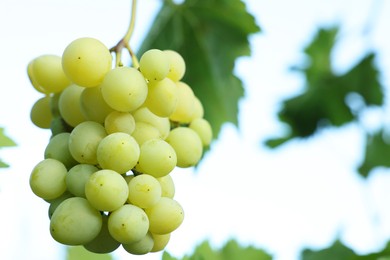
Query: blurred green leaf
x=80, y=253
x=5, y=141
x=210, y=35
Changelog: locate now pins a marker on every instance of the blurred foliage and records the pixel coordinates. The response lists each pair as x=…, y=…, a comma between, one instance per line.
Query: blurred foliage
x=5, y=141
x=210, y=35
x=80, y=253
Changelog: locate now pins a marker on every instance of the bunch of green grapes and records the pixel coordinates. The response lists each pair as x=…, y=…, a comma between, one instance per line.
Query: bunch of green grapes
x=117, y=135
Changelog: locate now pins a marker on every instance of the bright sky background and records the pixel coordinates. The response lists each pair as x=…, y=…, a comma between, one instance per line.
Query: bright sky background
x=301, y=195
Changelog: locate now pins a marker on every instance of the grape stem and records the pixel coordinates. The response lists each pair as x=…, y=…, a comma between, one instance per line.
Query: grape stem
x=124, y=42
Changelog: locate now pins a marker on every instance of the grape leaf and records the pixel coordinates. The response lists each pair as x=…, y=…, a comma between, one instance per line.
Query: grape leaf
x=210, y=35
x=323, y=103
x=230, y=251
x=79, y=252
x=5, y=141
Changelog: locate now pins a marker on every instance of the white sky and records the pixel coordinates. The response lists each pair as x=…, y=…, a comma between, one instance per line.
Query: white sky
x=303, y=194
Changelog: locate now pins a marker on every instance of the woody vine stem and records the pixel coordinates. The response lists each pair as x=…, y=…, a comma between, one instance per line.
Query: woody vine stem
x=124, y=42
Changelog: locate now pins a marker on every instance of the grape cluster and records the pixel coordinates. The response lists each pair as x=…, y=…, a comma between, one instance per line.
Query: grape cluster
x=117, y=134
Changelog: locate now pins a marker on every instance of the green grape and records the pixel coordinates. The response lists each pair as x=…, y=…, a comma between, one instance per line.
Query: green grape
x=54, y=104
x=93, y=106
x=128, y=224
x=187, y=145
x=47, y=179
x=163, y=125
x=75, y=222
x=162, y=97
x=160, y=242
x=40, y=114
x=86, y=61
x=203, y=128
x=118, y=152
x=58, y=149
x=128, y=178
x=185, y=108
x=154, y=65
x=198, y=109
x=77, y=177
x=70, y=106
x=165, y=216
x=84, y=140
x=33, y=81
x=103, y=243
x=167, y=186
x=57, y=201
x=119, y=122
x=142, y=247
x=144, y=191
x=48, y=74
x=106, y=190
x=144, y=131
x=58, y=125
x=177, y=65
x=157, y=157
x=124, y=89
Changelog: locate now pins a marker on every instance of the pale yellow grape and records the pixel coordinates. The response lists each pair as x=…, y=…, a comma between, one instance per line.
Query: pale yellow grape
x=77, y=177
x=203, y=128
x=86, y=61
x=47, y=179
x=157, y=157
x=124, y=89
x=162, y=97
x=144, y=131
x=84, y=140
x=187, y=144
x=58, y=149
x=177, y=65
x=141, y=247
x=70, y=106
x=160, y=242
x=165, y=216
x=33, y=81
x=186, y=104
x=93, y=106
x=198, y=109
x=103, y=243
x=167, y=186
x=119, y=122
x=119, y=152
x=163, y=125
x=128, y=224
x=144, y=191
x=75, y=222
x=106, y=190
x=40, y=114
x=48, y=73
x=57, y=201
x=154, y=65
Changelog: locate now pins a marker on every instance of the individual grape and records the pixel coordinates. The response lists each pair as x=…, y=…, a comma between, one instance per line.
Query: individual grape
x=187, y=144
x=163, y=125
x=157, y=157
x=198, y=109
x=103, y=243
x=177, y=65
x=70, y=106
x=75, y=222
x=58, y=149
x=141, y=247
x=40, y=114
x=165, y=216
x=77, y=177
x=58, y=125
x=47, y=179
x=186, y=104
x=167, y=186
x=160, y=242
x=124, y=89
x=203, y=128
x=144, y=191
x=93, y=106
x=162, y=97
x=48, y=74
x=57, y=201
x=33, y=81
x=86, y=61
x=154, y=65
x=144, y=131
x=128, y=224
x=119, y=122
x=118, y=151
x=84, y=140
x=106, y=190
